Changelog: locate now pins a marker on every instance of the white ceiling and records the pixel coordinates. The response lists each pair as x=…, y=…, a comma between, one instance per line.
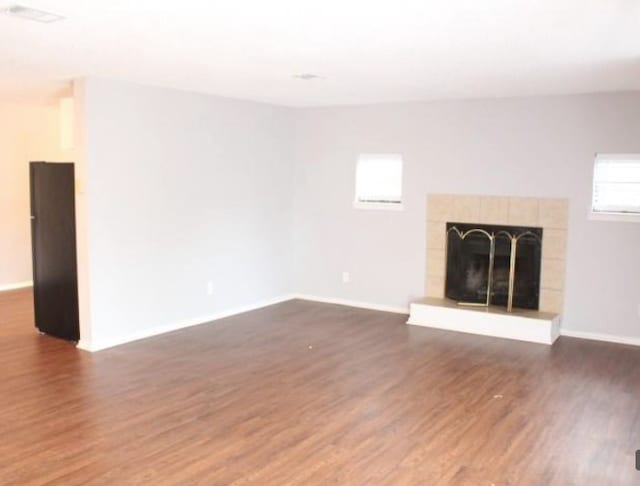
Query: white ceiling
x=365, y=50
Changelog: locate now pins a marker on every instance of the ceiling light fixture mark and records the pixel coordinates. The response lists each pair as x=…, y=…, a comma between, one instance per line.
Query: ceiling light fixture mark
x=28, y=13
x=306, y=76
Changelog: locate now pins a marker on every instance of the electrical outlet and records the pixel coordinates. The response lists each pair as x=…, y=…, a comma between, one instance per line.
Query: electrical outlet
x=209, y=287
x=346, y=277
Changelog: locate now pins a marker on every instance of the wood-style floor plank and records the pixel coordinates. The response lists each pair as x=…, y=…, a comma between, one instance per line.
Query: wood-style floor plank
x=303, y=393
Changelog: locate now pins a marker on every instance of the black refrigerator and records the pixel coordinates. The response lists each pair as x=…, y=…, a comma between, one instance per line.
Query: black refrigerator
x=53, y=245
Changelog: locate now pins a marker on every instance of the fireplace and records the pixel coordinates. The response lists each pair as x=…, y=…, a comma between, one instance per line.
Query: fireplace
x=493, y=265
x=473, y=276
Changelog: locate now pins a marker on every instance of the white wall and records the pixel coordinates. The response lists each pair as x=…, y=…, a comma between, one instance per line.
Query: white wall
x=540, y=147
x=27, y=133
x=179, y=189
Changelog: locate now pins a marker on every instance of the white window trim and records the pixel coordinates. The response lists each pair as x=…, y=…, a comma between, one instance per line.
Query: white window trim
x=618, y=217
x=378, y=205
x=389, y=206
x=611, y=216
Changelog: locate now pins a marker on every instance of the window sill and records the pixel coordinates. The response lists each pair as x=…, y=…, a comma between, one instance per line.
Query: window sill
x=615, y=217
x=379, y=206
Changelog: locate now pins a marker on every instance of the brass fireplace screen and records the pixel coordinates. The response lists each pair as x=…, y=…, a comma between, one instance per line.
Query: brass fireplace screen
x=493, y=265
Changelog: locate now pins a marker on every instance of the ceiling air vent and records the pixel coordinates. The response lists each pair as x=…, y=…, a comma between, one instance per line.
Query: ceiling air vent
x=29, y=13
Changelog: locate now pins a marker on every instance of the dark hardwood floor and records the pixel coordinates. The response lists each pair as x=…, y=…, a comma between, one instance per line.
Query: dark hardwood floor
x=304, y=393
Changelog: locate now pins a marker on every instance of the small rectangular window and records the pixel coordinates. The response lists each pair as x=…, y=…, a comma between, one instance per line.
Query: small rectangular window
x=379, y=181
x=616, y=184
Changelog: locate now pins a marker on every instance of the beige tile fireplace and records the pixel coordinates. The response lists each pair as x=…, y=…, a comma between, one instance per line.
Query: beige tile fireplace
x=549, y=214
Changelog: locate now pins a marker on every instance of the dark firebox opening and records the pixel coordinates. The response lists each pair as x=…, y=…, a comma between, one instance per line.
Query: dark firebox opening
x=467, y=267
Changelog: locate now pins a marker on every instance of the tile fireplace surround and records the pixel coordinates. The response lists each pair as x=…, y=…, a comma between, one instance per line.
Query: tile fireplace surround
x=549, y=214
x=540, y=326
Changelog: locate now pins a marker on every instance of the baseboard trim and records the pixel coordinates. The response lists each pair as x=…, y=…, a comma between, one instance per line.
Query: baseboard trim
x=353, y=303
x=16, y=285
x=92, y=346
x=405, y=310
x=85, y=345
x=595, y=336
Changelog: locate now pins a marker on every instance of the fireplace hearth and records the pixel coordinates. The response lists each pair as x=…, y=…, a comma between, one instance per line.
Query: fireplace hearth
x=493, y=265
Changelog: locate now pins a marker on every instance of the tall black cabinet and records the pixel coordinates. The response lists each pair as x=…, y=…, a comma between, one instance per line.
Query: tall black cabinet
x=53, y=244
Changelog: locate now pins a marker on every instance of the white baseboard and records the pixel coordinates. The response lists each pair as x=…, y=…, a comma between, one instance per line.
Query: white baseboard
x=93, y=346
x=353, y=303
x=16, y=285
x=97, y=346
x=86, y=345
x=596, y=336
x=405, y=310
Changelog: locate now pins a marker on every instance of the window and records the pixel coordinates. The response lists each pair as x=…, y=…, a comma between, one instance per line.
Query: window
x=379, y=181
x=616, y=185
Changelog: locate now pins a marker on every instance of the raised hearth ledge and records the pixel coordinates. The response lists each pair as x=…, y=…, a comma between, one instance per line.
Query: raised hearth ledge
x=521, y=324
